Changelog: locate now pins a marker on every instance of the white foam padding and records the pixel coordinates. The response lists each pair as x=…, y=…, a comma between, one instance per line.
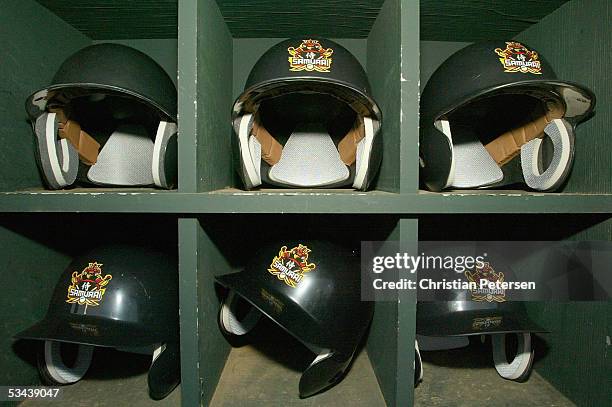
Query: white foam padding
x=520, y=366
x=309, y=159
x=57, y=369
x=229, y=320
x=255, y=150
x=125, y=159
x=473, y=166
x=561, y=135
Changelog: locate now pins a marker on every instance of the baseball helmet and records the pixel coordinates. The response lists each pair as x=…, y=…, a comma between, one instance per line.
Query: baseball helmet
x=466, y=317
x=118, y=296
x=307, y=119
x=495, y=114
x=311, y=289
x=112, y=108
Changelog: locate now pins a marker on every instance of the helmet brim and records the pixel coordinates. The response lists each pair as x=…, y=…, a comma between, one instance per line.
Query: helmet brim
x=268, y=303
x=87, y=88
x=88, y=330
x=476, y=323
x=518, y=87
x=358, y=99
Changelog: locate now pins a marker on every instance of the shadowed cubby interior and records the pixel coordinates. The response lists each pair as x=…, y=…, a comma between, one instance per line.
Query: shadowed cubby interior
x=38, y=41
x=571, y=355
x=209, y=47
x=36, y=249
x=225, y=245
x=568, y=51
x=228, y=47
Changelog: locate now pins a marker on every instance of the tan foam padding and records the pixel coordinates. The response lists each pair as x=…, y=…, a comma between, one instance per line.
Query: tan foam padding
x=347, y=147
x=86, y=145
x=507, y=146
x=271, y=149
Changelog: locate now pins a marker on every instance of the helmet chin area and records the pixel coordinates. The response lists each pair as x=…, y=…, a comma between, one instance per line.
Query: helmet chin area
x=121, y=139
x=318, y=141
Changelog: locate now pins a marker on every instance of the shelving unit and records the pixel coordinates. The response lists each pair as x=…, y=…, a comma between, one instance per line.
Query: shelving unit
x=210, y=46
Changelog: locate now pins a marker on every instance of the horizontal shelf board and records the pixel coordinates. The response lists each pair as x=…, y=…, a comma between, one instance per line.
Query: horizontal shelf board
x=254, y=377
x=467, y=377
x=298, y=192
x=292, y=201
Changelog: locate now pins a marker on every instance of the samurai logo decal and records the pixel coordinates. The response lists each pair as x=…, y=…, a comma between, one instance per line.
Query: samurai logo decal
x=88, y=286
x=481, y=293
x=517, y=58
x=291, y=265
x=310, y=56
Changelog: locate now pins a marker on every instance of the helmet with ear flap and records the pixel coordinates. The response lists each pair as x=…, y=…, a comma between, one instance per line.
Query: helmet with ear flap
x=141, y=93
x=272, y=81
x=452, y=137
x=119, y=296
x=321, y=307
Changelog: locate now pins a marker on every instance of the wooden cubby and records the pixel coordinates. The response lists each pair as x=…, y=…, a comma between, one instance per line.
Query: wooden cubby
x=209, y=47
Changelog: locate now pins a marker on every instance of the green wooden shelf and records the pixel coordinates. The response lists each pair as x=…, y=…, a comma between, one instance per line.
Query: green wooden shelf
x=292, y=201
x=210, y=47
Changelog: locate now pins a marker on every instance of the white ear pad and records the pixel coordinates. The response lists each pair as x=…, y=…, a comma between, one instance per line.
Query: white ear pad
x=250, y=164
x=237, y=316
x=562, y=137
x=55, y=368
x=164, y=162
x=364, y=150
x=518, y=369
x=125, y=159
x=255, y=150
x=59, y=160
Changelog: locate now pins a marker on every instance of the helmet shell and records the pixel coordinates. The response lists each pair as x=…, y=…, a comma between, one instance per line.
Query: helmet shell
x=274, y=73
x=464, y=318
x=138, y=307
x=324, y=309
x=110, y=69
x=481, y=70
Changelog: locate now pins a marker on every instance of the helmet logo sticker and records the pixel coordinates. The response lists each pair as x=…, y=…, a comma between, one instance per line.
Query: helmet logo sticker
x=486, y=323
x=88, y=286
x=484, y=293
x=517, y=58
x=291, y=265
x=310, y=56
